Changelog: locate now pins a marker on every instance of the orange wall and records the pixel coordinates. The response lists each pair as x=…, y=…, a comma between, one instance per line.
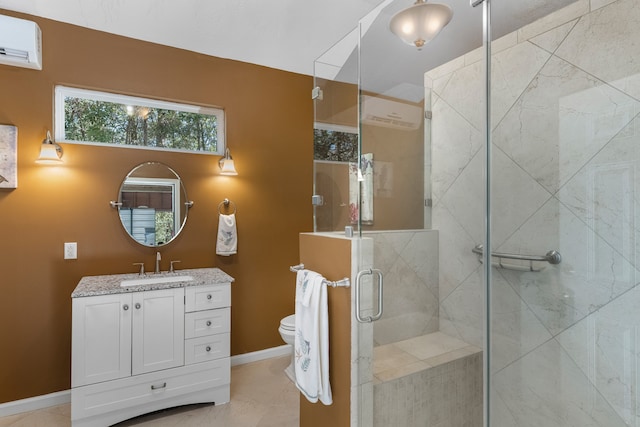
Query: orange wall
x=398, y=207
x=332, y=257
x=268, y=116
x=401, y=204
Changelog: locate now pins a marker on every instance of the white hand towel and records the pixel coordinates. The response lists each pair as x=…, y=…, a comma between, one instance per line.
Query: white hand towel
x=227, y=242
x=312, y=338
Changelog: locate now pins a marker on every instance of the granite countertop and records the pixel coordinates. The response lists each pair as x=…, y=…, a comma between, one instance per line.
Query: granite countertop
x=110, y=284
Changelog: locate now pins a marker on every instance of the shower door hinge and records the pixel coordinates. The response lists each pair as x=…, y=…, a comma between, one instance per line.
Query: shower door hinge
x=317, y=200
x=316, y=93
x=428, y=115
x=428, y=203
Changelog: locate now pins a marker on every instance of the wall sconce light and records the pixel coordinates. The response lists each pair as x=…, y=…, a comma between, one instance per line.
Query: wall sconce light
x=420, y=23
x=227, y=167
x=50, y=152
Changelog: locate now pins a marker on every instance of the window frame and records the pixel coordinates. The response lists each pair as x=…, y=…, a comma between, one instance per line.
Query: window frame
x=61, y=92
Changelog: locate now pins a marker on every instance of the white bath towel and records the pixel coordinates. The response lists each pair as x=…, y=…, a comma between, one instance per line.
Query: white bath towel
x=361, y=190
x=227, y=242
x=312, y=337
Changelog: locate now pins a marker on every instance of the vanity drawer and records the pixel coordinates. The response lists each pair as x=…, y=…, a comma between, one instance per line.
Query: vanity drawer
x=202, y=349
x=207, y=322
x=117, y=396
x=207, y=297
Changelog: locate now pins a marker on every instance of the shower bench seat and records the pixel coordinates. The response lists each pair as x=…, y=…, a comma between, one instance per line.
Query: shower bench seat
x=433, y=380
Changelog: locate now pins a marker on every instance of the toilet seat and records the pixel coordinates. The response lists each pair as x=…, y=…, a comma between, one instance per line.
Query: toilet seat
x=287, y=331
x=288, y=323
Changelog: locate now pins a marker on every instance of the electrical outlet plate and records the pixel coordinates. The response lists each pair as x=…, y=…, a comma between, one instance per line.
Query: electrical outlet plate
x=71, y=250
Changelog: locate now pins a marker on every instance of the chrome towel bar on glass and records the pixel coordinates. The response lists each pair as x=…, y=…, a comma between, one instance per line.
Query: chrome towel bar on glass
x=342, y=283
x=552, y=257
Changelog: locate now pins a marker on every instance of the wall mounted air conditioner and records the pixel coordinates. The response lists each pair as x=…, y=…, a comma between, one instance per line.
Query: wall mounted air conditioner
x=20, y=43
x=391, y=114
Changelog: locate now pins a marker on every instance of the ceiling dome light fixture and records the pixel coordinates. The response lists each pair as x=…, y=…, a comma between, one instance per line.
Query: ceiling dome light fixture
x=420, y=23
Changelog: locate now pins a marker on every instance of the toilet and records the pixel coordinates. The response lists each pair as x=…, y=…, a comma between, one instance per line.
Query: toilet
x=287, y=332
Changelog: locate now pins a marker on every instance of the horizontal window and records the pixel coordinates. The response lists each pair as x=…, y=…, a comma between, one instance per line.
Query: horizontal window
x=101, y=118
x=335, y=143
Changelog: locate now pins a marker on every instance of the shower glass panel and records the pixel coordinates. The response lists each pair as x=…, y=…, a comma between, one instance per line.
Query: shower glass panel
x=560, y=148
x=336, y=136
x=424, y=370
x=565, y=131
x=394, y=167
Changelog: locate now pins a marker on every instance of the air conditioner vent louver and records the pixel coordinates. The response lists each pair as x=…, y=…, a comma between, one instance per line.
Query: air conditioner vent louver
x=18, y=54
x=392, y=114
x=389, y=121
x=20, y=43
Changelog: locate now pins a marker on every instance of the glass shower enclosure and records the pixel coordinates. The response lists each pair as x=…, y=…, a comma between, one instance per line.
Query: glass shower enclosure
x=514, y=130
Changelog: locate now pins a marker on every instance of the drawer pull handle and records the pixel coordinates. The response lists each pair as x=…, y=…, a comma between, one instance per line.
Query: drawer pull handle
x=125, y=307
x=138, y=306
x=156, y=387
x=208, y=322
x=208, y=348
x=209, y=296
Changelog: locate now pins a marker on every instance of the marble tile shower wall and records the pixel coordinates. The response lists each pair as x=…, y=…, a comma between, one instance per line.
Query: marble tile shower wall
x=566, y=135
x=409, y=262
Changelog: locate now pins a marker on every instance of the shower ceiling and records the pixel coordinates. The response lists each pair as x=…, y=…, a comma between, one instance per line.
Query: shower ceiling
x=288, y=34
x=396, y=69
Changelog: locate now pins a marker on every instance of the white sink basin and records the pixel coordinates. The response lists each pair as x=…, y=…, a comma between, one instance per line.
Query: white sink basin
x=155, y=280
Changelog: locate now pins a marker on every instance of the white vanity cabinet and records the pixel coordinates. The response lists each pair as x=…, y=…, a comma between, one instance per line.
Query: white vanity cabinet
x=115, y=336
x=138, y=352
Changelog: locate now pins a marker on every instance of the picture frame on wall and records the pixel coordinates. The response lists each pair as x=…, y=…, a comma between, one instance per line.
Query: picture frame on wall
x=8, y=156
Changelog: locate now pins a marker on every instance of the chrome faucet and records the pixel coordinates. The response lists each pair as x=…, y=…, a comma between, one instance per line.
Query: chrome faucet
x=141, y=264
x=158, y=258
x=172, y=268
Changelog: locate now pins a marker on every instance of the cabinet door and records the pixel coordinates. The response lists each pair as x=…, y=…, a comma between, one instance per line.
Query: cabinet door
x=100, y=338
x=158, y=330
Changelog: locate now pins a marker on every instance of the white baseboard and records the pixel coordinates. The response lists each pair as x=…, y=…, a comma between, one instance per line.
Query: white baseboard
x=62, y=397
x=255, y=356
x=33, y=403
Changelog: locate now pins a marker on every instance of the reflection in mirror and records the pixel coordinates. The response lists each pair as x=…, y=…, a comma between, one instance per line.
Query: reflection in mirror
x=152, y=204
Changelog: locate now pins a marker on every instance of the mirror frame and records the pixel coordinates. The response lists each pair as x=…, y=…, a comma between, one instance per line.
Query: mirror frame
x=179, y=201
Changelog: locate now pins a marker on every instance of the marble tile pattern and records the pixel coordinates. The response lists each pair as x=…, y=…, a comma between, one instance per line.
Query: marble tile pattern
x=565, y=161
x=261, y=396
x=110, y=283
x=409, y=263
x=431, y=380
x=392, y=361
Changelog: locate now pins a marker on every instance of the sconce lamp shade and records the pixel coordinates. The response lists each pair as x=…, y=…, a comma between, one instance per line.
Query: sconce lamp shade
x=420, y=23
x=50, y=152
x=227, y=166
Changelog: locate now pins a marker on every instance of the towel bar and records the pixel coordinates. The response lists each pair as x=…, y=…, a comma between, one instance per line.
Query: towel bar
x=342, y=283
x=226, y=202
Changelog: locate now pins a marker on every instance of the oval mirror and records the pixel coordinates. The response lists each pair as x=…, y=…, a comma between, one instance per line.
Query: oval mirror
x=152, y=204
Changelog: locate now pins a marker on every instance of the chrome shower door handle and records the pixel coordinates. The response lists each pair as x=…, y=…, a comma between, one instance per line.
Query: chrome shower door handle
x=378, y=315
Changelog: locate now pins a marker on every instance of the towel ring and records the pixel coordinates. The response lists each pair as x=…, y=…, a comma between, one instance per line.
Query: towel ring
x=226, y=203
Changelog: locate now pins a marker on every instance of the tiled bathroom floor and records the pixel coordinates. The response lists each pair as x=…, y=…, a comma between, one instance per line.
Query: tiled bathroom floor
x=261, y=396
